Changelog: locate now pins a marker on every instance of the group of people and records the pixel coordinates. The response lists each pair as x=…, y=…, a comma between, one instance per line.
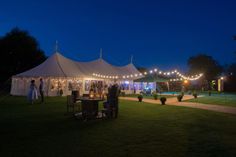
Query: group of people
x=112, y=101
x=33, y=91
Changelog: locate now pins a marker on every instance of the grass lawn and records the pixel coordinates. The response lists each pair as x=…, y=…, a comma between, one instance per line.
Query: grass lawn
x=141, y=130
x=149, y=96
x=217, y=99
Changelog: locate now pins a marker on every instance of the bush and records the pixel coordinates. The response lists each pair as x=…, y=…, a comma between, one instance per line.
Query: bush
x=195, y=95
x=140, y=98
x=155, y=96
x=163, y=100
x=180, y=97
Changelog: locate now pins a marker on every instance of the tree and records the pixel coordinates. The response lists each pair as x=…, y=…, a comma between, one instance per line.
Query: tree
x=234, y=37
x=142, y=69
x=205, y=64
x=232, y=69
x=19, y=51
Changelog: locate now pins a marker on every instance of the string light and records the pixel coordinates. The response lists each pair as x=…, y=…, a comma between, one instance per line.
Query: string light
x=168, y=73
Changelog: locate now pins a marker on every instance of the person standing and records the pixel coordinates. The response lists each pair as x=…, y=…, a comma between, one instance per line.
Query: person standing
x=41, y=90
x=33, y=94
x=114, y=92
x=117, y=93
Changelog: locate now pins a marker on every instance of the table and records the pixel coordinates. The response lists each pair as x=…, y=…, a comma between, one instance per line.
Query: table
x=89, y=107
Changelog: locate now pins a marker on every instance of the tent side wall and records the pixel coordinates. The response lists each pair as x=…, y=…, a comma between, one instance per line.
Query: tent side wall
x=19, y=86
x=52, y=86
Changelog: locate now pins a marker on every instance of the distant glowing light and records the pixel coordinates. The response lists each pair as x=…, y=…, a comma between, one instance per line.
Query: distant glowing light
x=126, y=82
x=185, y=81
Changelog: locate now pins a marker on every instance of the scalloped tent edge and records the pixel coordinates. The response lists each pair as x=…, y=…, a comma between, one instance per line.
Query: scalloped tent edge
x=60, y=66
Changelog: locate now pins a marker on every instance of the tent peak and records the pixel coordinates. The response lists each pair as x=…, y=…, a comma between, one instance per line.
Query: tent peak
x=56, y=47
x=131, y=59
x=100, y=53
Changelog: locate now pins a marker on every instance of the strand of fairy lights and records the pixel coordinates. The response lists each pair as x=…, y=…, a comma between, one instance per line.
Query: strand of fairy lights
x=154, y=71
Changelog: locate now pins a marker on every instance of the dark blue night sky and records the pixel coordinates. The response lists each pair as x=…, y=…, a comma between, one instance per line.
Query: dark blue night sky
x=162, y=33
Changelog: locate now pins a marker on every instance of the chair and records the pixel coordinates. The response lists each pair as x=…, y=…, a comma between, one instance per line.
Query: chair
x=111, y=107
x=108, y=111
x=72, y=107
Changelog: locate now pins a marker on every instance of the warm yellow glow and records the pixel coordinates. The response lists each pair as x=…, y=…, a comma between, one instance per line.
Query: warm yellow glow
x=168, y=73
x=185, y=81
x=91, y=96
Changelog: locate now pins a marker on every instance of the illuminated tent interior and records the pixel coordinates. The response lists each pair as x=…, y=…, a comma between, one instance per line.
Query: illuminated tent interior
x=152, y=82
x=62, y=75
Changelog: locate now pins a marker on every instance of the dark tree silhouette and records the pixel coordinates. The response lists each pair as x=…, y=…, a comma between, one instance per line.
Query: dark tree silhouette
x=19, y=51
x=234, y=37
x=232, y=69
x=205, y=64
x=142, y=69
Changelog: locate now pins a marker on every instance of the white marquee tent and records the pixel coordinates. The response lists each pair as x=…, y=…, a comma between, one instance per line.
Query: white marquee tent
x=62, y=74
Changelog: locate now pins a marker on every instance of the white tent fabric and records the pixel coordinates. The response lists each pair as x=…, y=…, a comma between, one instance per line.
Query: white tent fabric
x=58, y=71
x=60, y=66
x=54, y=66
x=100, y=66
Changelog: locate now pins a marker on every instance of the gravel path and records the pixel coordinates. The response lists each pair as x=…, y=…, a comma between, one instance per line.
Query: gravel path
x=174, y=102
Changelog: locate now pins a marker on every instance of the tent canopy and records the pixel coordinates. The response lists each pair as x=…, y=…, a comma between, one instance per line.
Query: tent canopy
x=60, y=66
